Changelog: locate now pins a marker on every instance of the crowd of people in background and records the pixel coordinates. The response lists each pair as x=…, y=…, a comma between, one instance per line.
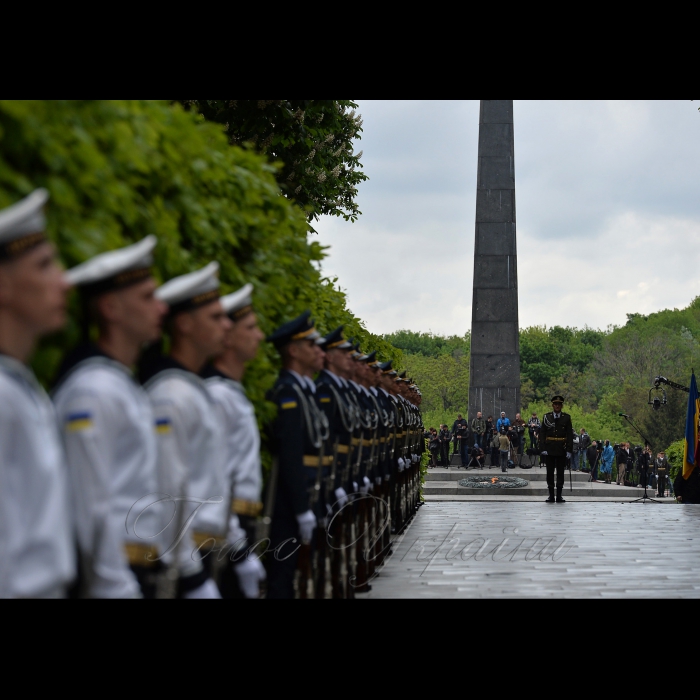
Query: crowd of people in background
x=505, y=443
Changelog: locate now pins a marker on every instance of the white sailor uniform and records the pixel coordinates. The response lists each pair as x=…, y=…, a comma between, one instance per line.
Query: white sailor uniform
x=190, y=462
x=109, y=435
x=242, y=444
x=37, y=553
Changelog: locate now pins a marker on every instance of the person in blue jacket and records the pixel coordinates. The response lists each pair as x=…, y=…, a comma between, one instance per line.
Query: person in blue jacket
x=502, y=421
x=606, y=461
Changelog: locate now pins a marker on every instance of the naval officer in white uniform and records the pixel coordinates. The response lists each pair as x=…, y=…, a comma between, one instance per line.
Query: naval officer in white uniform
x=190, y=435
x=108, y=426
x=242, y=462
x=37, y=553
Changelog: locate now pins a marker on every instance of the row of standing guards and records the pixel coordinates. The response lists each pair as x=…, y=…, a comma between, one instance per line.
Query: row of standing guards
x=360, y=440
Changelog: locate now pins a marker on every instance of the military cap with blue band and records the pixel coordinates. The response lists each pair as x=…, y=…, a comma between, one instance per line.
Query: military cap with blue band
x=22, y=225
x=335, y=341
x=369, y=359
x=386, y=368
x=115, y=269
x=299, y=328
x=191, y=291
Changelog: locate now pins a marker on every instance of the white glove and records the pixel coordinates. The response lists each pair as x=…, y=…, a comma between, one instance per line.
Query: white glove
x=341, y=497
x=414, y=457
x=402, y=464
x=365, y=485
x=236, y=536
x=307, y=523
x=207, y=591
x=378, y=480
x=354, y=486
x=543, y=453
x=250, y=572
x=568, y=455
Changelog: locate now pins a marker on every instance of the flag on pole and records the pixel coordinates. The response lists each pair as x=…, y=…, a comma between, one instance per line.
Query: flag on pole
x=690, y=458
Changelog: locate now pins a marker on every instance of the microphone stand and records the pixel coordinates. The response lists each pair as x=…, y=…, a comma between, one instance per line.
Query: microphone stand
x=645, y=497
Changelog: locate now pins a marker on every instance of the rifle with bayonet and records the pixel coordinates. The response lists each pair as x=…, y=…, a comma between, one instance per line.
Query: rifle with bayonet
x=324, y=585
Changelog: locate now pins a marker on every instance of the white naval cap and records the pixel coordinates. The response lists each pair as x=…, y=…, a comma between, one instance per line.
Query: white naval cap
x=192, y=290
x=240, y=303
x=115, y=269
x=22, y=225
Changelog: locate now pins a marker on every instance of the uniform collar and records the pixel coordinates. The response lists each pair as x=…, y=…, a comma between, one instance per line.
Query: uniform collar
x=338, y=380
x=78, y=355
x=303, y=381
x=13, y=366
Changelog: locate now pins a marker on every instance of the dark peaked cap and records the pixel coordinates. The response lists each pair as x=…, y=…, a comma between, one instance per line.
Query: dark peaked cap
x=335, y=341
x=370, y=358
x=299, y=328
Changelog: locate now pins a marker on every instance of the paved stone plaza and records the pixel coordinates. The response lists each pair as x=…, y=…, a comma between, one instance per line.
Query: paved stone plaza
x=497, y=549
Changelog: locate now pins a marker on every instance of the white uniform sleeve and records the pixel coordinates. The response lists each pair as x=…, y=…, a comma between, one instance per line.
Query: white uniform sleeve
x=173, y=476
x=88, y=427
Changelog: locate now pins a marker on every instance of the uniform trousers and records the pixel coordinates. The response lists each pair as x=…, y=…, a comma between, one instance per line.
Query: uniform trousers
x=661, y=483
x=282, y=557
x=558, y=463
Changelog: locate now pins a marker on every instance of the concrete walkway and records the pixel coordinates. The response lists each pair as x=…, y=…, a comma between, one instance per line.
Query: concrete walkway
x=496, y=549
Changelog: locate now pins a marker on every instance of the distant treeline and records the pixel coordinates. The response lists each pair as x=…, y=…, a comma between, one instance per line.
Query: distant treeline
x=600, y=372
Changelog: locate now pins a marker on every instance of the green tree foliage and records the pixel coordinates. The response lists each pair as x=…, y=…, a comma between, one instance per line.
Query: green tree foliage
x=601, y=373
x=555, y=356
x=674, y=454
x=440, y=367
x=443, y=381
x=312, y=139
x=429, y=344
x=120, y=170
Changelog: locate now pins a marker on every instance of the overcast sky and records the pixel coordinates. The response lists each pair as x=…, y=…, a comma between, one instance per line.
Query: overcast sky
x=608, y=213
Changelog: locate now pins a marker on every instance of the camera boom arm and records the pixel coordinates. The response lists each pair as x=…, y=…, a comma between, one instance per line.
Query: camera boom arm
x=662, y=380
x=657, y=402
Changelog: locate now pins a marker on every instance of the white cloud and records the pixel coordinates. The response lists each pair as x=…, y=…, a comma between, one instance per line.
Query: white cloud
x=607, y=209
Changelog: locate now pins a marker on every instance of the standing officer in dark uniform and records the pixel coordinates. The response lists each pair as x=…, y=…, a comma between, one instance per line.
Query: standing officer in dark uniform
x=459, y=432
x=556, y=445
x=332, y=393
x=300, y=430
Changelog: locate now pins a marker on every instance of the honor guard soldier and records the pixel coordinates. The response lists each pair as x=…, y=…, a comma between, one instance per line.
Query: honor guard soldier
x=108, y=427
x=556, y=445
x=36, y=548
x=382, y=475
x=300, y=432
x=190, y=436
x=242, y=467
x=396, y=462
x=332, y=393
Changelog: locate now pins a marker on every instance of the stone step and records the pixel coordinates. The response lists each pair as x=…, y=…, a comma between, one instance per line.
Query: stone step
x=455, y=474
x=587, y=490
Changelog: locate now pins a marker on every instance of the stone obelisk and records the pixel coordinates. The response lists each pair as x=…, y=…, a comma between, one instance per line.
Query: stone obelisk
x=495, y=347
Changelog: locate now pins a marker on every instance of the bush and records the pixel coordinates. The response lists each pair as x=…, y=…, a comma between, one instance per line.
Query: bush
x=674, y=454
x=118, y=170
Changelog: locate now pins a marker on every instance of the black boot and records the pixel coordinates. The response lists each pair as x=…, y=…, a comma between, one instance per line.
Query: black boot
x=559, y=498
x=551, y=496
